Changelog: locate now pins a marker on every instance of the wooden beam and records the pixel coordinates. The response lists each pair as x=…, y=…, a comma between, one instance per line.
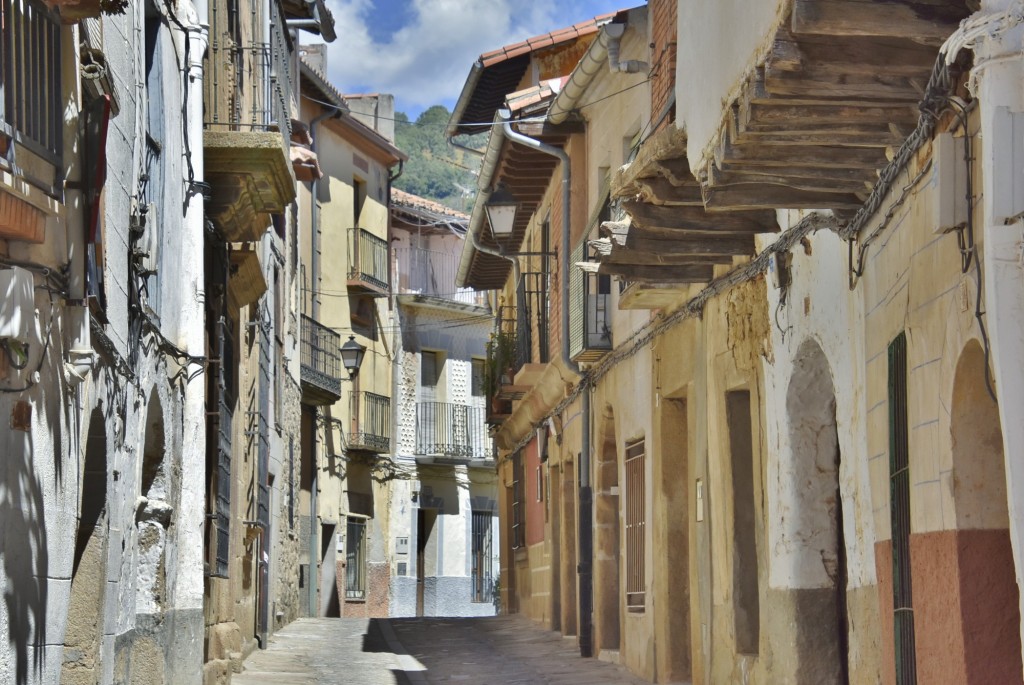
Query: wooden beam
x=818, y=156
x=695, y=218
x=661, y=191
x=921, y=22
x=800, y=179
x=766, y=196
x=543, y=128
x=678, y=242
x=675, y=273
x=829, y=84
x=851, y=54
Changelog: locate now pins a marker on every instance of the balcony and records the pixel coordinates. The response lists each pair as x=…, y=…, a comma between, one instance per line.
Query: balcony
x=321, y=364
x=246, y=145
x=451, y=431
x=590, y=318
x=371, y=423
x=31, y=114
x=432, y=273
x=367, y=262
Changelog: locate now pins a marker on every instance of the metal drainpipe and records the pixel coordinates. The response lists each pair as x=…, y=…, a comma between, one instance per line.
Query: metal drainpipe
x=586, y=493
x=314, y=212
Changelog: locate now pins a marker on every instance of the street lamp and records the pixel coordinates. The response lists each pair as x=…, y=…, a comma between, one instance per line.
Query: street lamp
x=501, y=209
x=352, y=356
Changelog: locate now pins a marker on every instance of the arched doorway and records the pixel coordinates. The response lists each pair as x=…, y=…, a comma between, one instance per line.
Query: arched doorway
x=153, y=520
x=989, y=614
x=606, y=537
x=815, y=528
x=83, y=637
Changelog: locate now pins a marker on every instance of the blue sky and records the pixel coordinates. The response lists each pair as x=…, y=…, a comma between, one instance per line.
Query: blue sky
x=422, y=50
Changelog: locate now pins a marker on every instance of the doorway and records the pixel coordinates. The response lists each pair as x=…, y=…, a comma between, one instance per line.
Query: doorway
x=816, y=527
x=425, y=521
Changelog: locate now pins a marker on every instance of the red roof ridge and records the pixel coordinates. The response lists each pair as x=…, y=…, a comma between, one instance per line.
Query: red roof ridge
x=584, y=28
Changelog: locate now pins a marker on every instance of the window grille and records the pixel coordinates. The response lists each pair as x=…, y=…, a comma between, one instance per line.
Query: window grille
x=899, y=503
x=483, y=581
x=635, y=526
x=477, y=373
x=355, y=559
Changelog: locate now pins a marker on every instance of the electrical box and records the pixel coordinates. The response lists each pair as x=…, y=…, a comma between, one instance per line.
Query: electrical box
x=949, y=181
x=401, y=545
x=340, y=544
x=17, y=305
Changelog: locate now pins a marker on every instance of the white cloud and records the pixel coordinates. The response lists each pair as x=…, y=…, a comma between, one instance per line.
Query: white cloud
x=426, y=61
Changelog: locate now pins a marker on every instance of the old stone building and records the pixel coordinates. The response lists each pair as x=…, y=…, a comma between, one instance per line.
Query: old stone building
x=100, y=327
x=776, y=444
x=347, y=417
x=445, y=553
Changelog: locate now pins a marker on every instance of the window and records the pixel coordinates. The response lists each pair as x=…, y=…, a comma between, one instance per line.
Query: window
x=518, y=508
x=477, y=380
x=590, y=318
x=540, y=485
x=745, y=590
x=483, y=583
x=899, y=505
x=355, y=559
x=430, y=375
x=358, y=199
x=635, y=526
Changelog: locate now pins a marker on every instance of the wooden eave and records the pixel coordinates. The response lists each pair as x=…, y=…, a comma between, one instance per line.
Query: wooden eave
x=670, y=237
x=840, y=86
x=527, y=173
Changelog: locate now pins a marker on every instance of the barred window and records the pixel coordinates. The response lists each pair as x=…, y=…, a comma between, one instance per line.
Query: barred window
x=355, y=559
x=635, y=526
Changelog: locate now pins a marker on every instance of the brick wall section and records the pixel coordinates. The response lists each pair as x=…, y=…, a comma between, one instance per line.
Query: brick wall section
x=664, y=26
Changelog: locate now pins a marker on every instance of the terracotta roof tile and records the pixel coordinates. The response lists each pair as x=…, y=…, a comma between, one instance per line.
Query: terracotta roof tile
x=400, y=198
x=584, y=28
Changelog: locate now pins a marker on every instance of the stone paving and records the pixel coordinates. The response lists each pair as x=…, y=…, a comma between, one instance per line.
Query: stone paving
x=504, y=650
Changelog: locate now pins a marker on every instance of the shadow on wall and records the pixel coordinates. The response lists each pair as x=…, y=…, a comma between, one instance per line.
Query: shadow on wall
x=24, y=550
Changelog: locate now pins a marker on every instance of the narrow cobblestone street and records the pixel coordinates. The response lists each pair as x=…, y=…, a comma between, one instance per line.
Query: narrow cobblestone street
x=430, y=651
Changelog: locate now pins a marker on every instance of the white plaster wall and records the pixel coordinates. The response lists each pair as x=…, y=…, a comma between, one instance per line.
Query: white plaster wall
x=835, y=312
x=724, y=39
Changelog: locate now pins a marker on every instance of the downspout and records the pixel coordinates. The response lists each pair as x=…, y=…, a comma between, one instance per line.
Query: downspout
x=586, y=493
x=314, y=213
x=630, y=66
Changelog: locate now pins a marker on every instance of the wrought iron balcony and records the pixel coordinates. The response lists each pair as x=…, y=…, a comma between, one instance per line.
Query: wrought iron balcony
x=321, y=363
x=433, y=273
x=246, y=145
x=454, y=431
x=367, y=262
x=371, y=423
x=31, y=107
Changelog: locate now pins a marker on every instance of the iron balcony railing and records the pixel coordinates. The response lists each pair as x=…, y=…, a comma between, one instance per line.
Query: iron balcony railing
x=249, y=81
x=30, y=85
x=433, y=273
x=321, y=356
x=371, y=423
x=367, y=258
x=451, y=430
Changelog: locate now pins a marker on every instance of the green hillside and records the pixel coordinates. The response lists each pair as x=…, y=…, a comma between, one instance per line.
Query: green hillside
x=436, y=170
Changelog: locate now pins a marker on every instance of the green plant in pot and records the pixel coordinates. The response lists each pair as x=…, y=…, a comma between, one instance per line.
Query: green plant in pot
x=501, y=350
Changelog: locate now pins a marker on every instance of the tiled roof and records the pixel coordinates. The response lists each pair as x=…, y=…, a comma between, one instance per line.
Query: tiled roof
x=400, y=198
x=584, y=28
x=528, y=97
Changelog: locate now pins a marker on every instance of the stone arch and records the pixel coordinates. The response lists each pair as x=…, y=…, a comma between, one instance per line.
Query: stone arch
x=82, y=663
x=814, y=528
x=606, y=536
x=989, y=596
x=153, y=516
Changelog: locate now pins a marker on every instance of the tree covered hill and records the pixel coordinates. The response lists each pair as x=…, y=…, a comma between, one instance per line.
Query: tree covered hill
x=436, y=170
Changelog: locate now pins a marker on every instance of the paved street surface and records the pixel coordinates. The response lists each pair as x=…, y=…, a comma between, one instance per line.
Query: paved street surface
x=505, y=650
